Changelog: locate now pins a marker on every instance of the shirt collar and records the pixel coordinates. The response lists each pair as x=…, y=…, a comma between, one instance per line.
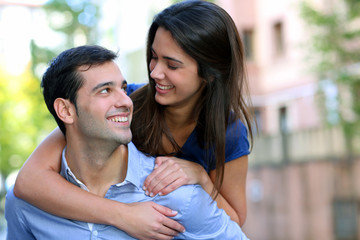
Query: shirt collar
x=68, y=174
x=132, y=174
x=133, y=170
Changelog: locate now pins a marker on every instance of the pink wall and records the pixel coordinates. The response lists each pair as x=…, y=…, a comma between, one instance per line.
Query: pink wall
x=296, y=202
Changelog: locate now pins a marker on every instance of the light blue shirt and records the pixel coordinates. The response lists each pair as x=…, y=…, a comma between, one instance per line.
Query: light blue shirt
x=196, y=210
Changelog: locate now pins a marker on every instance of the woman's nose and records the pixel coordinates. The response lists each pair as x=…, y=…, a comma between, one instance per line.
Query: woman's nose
x=157, y=72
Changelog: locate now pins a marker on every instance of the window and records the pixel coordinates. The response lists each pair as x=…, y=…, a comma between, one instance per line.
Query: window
x=345, y=219
x=257, y=121
x=283, y=120
x=278, y=39
x=248, y=44
x=284, y=131
x=331, y=103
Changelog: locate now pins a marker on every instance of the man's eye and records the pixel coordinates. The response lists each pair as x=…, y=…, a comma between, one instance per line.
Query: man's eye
x=105, y=90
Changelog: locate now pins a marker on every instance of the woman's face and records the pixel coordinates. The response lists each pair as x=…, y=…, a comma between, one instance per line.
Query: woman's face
x=175, y=73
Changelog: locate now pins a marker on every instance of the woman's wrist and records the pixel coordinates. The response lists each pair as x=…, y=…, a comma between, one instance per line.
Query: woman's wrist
x=113, y=214
x=205, y=181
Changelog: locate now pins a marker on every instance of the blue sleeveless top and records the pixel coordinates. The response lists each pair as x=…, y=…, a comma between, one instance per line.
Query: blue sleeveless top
x=236, y=142
x=236, y=145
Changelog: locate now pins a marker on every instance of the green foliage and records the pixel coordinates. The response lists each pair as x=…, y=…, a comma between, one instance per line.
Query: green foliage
x=74, y=21
x=334, y=50
x=24, y=119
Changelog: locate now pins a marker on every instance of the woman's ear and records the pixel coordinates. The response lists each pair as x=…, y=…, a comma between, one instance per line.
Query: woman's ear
x=64, y=110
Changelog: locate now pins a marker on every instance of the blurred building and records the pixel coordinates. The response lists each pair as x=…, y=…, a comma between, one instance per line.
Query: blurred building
x=300, y=182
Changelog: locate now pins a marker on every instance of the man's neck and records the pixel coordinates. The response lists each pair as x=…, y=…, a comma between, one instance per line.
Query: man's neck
x=98, y=167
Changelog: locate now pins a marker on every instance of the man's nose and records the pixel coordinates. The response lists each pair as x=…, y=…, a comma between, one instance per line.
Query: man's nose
x=122, y=99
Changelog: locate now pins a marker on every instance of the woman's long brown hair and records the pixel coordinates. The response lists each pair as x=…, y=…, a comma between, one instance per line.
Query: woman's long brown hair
x=207, y=33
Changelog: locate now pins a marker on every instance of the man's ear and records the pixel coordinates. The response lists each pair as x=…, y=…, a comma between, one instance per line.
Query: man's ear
x=65, y=110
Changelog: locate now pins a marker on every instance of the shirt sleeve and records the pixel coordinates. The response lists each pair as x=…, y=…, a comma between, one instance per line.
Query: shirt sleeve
x=202, y=219
x=16, y=226
x=237, y=143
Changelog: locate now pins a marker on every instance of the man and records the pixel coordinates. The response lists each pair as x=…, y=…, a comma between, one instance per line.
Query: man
x=84, y=90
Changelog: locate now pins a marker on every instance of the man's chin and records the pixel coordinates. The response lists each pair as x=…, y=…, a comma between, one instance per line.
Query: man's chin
x=125, y=139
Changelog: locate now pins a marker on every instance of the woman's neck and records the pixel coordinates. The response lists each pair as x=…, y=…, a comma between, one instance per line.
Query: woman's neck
x=178, y=118
x=181, y=123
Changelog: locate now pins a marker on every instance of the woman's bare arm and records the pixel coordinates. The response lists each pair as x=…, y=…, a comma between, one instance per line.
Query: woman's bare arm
x=46, y=157
x=40, y=183
x=232, y=197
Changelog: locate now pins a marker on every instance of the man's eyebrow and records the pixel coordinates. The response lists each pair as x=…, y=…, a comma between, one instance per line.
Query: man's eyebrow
x=102, y=85
x=168, y=58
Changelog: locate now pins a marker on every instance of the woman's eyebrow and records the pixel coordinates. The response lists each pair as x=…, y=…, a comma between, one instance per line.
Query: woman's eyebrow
x=168, y=58
x=173, y=59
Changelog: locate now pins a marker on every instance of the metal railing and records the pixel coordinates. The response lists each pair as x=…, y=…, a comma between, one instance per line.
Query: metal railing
x=301, y=146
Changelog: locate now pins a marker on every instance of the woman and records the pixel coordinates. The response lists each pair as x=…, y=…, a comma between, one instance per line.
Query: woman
x=190, y=116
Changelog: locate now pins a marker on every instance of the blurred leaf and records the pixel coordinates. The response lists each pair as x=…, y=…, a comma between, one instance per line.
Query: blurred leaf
x=72, y=19
x=24, y=119
x=334, y=46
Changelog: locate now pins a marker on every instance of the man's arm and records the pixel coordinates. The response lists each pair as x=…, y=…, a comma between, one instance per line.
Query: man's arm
x=16, y=226
x=202, y=219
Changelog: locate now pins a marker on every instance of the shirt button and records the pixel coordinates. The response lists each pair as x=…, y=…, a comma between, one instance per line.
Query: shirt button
x=95, y=233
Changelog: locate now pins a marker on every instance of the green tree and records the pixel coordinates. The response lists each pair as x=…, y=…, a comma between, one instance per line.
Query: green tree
x=74, y=21
x=24, y=119
x=334, y=55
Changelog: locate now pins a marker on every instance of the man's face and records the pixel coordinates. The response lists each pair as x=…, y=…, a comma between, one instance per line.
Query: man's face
x=104, y=109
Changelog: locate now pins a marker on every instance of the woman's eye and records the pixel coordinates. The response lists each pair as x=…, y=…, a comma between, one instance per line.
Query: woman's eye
x=172, y=67
x=153, y=55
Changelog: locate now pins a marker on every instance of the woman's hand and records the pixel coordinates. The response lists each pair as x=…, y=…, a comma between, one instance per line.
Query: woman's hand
x=170, y=173
x=148, y=220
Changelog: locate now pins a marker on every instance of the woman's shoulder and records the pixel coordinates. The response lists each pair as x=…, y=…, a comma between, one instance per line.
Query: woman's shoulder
x=237, y=142
x=236, y=128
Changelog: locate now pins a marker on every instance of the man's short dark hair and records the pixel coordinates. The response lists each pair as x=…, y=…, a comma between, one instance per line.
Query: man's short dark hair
x=62, y=79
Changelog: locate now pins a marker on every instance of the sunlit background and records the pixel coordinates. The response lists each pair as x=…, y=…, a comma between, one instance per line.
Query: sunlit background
x=303, y=62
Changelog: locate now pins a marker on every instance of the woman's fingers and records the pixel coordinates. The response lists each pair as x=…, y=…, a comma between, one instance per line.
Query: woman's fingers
x=162, y=176
x=174, y=185
x=169, y=183
x=169, y=174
